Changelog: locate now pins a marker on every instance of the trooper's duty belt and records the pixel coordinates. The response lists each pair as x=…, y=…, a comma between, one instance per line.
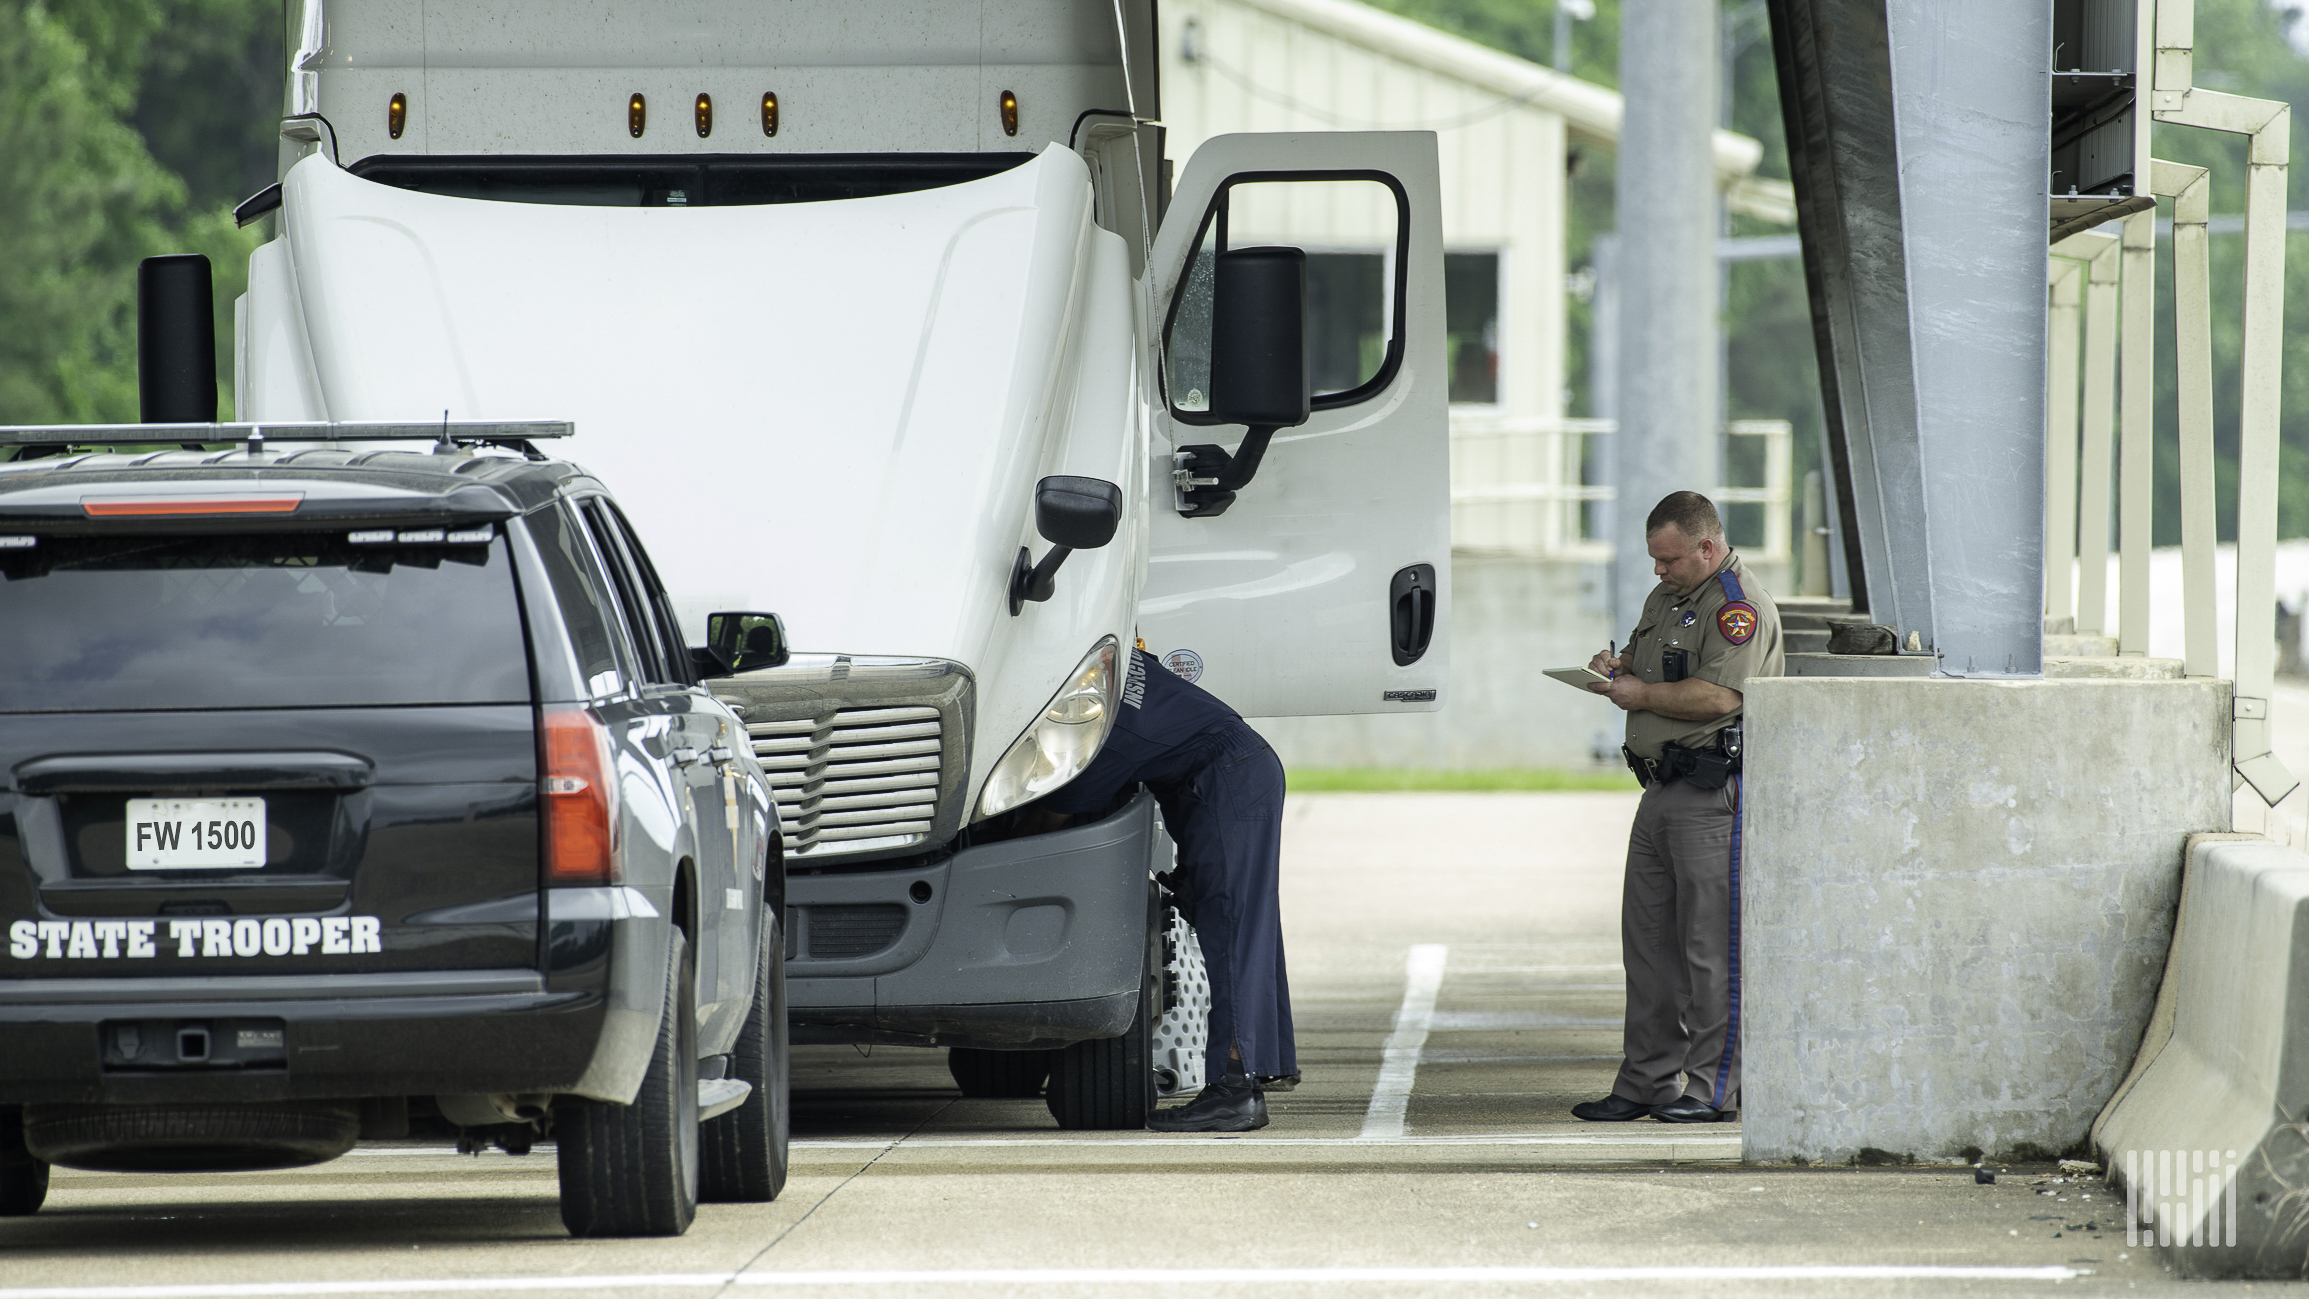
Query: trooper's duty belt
x=1704, y=768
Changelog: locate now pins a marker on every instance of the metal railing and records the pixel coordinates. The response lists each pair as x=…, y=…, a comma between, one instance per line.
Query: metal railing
x=1518, y=488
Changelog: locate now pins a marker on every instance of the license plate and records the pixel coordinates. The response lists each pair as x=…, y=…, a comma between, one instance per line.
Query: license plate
x=172, y=834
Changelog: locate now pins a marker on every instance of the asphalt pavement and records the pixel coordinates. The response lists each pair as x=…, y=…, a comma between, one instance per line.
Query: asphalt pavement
x=1454, y=964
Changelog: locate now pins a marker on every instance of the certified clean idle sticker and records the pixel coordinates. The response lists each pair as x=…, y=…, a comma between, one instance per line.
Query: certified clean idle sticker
x=1184, y=663
x=107, y=940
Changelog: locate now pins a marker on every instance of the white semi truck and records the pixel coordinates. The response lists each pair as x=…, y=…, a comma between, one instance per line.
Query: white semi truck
x=832, y=291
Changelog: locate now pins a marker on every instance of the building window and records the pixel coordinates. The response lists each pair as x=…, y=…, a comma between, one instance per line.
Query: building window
x=1471, y=325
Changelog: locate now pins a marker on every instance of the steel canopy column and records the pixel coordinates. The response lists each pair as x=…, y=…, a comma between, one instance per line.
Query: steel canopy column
x=2094, y=497
x=2193, y=378
x=1971, y=93
x=1666, y=253
x=2136, y=431
x=2067, y=276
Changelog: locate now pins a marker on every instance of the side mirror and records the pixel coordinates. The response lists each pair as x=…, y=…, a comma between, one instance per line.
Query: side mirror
x=741, y=642
x=175, y=340
x=1071, y=514
x=1260, y=374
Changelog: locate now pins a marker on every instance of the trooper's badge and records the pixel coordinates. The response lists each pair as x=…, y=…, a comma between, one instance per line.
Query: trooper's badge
x=1691, y=616
x=1737, y=621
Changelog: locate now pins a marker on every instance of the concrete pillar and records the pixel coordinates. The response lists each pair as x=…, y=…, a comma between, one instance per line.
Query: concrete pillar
x=1666, y=256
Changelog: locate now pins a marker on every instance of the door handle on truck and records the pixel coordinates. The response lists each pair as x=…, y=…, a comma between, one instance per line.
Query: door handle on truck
x=1411, y=612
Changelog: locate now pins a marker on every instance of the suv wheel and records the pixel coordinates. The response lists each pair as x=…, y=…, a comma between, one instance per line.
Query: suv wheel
x=1109, y=1083
x=23, y=1179
x=998, y=1073
x=632, y=1170
x=743, y=1153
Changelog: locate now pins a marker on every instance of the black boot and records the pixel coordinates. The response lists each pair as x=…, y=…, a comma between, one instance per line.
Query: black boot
x=1232, y=1104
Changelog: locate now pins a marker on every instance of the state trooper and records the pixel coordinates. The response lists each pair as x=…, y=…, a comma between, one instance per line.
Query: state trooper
x=1704, y=631
x=1221, y=792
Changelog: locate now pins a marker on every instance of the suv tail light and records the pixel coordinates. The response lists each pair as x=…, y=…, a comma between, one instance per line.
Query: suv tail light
x=579, y=791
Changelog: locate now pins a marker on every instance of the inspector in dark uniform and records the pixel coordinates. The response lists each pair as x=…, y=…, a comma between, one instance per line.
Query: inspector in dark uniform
x=1221, y=792
x=1704, y=631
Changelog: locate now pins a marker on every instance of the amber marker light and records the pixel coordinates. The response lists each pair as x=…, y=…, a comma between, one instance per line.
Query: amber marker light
x=636, y=114
x=769, y=114
x=705, y=116
x=105, y=507
x=1009, y=113
x=580, y=797
x=397, y=115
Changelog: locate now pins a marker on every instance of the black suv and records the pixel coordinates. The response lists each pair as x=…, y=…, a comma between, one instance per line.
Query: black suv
x=354, y=795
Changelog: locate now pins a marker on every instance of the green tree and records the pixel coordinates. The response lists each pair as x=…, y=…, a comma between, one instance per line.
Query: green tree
x=84, y=198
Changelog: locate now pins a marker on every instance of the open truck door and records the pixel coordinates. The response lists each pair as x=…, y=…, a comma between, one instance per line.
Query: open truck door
x=1301, y=557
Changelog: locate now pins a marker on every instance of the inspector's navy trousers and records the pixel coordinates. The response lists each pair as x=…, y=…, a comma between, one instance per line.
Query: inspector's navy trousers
x=1227, y=816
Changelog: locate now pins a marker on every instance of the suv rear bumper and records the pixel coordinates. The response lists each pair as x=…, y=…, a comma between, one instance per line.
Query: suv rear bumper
x=344, y=1036
x=1035, y=942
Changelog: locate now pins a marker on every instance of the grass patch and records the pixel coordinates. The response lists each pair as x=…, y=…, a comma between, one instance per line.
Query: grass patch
x=1376, y=780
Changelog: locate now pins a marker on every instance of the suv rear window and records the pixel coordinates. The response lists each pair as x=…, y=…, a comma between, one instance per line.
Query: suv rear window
x=263, y=620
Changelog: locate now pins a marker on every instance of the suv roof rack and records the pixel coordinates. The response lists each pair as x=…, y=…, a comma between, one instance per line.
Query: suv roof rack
x=513, y=434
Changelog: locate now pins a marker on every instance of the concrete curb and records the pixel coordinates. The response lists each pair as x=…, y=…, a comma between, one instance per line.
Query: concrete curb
x=2205, y=1134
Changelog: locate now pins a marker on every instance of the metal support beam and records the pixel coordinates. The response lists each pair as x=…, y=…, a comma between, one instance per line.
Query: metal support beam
x=2267, y=124
x=2095, y=477
x=2189, y=189
x=2067, y=279
x=1666, y=201
x=2136, y=430
x=1919, y=153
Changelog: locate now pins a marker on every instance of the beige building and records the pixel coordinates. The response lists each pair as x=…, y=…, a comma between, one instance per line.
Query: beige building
x=1528, y=582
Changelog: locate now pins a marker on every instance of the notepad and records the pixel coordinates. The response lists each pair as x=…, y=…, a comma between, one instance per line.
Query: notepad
x=1577, y=677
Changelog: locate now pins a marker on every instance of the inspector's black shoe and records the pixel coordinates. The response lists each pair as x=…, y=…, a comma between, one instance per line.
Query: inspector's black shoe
x=1614, y=1108
x=1232, y=1104
x=1687, y=1109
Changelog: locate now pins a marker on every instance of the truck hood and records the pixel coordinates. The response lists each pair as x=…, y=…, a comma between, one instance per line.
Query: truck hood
x=835, y=411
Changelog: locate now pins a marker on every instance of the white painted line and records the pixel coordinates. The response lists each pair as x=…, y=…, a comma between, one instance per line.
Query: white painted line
x=1647, y=1135
x=1058, y=1276
x=1422, y=979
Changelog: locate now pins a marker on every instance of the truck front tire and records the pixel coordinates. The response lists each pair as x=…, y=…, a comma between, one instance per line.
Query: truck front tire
x=632, y=1170
x=743, y=1153
x=1107, y=1084
x=998, y=1073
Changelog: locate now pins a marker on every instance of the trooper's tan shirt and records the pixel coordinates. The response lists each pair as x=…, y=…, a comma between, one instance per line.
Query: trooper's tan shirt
x=1708, y=624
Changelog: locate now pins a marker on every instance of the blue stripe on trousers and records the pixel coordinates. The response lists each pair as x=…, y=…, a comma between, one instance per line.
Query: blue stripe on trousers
x=1732, y=1027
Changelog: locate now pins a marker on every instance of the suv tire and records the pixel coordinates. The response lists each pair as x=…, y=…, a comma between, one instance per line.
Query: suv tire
x=998, y=1073
x=23, y=1179
x=742, y=1154
x=1107, y=1084
x=632, y=1170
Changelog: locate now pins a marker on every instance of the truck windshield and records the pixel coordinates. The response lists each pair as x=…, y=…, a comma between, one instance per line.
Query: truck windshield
x=282, y=619
x=715, y=180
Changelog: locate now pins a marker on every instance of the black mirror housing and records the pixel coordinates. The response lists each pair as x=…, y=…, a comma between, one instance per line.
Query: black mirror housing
x=1260, y=373
x=1077, y=513
x=741, y=642
x=1071, y=514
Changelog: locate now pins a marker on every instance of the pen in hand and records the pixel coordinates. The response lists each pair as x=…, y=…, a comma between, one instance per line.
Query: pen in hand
x=1614, y=654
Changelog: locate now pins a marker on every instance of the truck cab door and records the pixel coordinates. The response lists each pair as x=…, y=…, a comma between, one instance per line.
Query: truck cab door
x=1324, y=587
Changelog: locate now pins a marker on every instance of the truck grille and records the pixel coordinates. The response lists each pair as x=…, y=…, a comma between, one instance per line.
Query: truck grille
x=853, y=779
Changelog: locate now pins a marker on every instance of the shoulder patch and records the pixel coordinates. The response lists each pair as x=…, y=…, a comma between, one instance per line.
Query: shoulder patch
x=1737, y=621
x=1730, y=581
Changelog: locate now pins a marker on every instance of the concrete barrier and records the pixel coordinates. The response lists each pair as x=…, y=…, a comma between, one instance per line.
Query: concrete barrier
x=2207, y=1134
x=1957, y=901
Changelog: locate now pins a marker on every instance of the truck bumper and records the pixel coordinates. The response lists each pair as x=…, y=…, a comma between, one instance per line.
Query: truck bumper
x=1030, y=943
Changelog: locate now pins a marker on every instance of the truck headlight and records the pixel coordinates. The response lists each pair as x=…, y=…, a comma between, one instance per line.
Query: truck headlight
x=1063, y=740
